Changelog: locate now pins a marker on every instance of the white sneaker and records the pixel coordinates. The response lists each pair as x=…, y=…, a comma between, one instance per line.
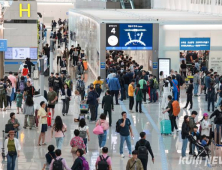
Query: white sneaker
x=122, y=156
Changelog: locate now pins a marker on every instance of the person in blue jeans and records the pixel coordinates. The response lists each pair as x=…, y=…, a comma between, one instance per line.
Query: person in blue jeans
x=12, y=150
x=175, y=88
x=125, y=131
x=185, y=132
x=152, y=89
x=105, y=125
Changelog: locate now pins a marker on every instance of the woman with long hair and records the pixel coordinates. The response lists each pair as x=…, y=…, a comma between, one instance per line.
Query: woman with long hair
x=66, y=97
x=185, y=133
x=161, y=83
x=83, y=131
x=183, y=69
x=28, y=110
x=166, y=92
x=59, y=128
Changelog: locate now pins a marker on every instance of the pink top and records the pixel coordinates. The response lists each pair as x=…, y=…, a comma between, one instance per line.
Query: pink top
x=104, y=156
x=77, y=141
x=12, y=79
x=60, y=134
x=103, y=123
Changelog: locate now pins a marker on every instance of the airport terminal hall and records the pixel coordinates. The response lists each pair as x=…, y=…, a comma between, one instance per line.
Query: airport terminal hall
x=110, y=84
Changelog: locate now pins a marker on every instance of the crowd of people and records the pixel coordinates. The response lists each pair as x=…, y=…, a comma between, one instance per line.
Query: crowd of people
x=125, y=80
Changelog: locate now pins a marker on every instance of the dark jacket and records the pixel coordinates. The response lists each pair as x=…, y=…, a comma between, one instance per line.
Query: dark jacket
x=211, y=93
x=151, y=81
x=216, y=113
x=77, y=164
x=191, y=123
x=92, y=98
x=143, y=142
x=51, y=79
x=190, y=89
x=29, y=65
x=185, y=130
x=63, y=64
x=139, y=95
x=57, y=84
x=49, y=156
x=68, y=92
x=107, y=102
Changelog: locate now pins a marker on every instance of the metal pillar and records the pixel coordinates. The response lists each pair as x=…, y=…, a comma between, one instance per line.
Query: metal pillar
x=51, y=56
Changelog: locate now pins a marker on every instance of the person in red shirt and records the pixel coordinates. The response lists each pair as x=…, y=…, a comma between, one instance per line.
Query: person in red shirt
x=25, y=70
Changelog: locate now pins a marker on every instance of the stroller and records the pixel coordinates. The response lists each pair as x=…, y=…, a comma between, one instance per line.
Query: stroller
x=202, y=151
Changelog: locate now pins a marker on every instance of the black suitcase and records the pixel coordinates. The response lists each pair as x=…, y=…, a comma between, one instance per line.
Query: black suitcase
x=9, y=127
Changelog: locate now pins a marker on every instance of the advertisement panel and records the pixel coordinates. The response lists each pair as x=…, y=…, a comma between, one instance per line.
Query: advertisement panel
x=129, y=36
x=195, y=44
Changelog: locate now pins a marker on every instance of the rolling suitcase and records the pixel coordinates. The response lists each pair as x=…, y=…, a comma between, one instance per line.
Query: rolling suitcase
x=49, y=119
x=85, y=65
x=157, y=96
x=36, y=75
x=165, y=126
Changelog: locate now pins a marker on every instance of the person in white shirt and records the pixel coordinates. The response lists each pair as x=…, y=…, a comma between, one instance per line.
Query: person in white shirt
x=205, y=125
x=21, y=67
x=59, y=55
x=29, y=79
x=166, y=92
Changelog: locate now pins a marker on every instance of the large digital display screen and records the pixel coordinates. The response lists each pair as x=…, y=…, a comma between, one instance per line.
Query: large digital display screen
x=129, y=36
x=164, y=65
x=194, y=44
x=21, y=53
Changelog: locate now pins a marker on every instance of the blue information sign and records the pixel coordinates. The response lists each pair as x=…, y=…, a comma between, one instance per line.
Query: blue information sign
x=102, y=65
x=133, y=36
x=3, y=45
x=155, y=65
x=194, y=43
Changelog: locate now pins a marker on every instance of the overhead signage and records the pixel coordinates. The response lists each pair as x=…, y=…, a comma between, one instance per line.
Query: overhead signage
x=21, y=53
x=194, y=43
x=164, y=65
x=129, y=36
x=3, y=45
x=21, y=10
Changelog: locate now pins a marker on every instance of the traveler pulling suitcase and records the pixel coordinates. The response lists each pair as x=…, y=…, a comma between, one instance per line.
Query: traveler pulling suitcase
x=165, y=125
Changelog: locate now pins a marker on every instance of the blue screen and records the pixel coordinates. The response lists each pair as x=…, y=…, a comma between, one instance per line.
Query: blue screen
x=136, y=36
x=194, y=43
x=129, y=36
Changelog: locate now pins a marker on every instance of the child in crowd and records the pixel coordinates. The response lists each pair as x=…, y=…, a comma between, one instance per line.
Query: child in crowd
x=196, y=136
x=18, y=99
x=204, y=142
x=25, y=71
x=49, y=156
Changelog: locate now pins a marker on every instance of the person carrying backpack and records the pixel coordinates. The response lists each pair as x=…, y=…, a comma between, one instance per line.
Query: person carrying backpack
x=22, y=84
x=80, y=86
x=103, y=161
x=143, y=147
x=58, y=163
x=80, y=163
x=97, y=85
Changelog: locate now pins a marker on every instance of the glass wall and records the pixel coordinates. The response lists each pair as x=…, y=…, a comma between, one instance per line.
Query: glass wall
x=85, y=32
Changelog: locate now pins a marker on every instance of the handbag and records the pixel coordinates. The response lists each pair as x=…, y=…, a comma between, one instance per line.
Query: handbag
x=11, y=153
x=63, y=97
x=98, y=130
x=74, y=149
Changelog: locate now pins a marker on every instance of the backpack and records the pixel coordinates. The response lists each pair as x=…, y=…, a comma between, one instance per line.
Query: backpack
x=85, y=164
x=118, y=126
x=97, y=86
x=21, y=86
x=57, y=164
x=2, y=89
x=155, y=85
x=218, y=118
x=102, y=164
x=80, y=85
x=142, y=150
x=82, y=133
x=176, y=108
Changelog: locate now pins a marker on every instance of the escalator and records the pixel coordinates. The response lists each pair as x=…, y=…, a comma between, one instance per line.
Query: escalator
x=127, y=4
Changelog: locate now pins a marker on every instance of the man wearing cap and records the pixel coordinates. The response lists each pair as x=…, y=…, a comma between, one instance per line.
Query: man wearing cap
x=51, y=79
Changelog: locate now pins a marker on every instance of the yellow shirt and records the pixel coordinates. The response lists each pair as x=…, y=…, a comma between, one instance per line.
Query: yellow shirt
x=97, y=82
x=131, y=90
x=42, y=113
